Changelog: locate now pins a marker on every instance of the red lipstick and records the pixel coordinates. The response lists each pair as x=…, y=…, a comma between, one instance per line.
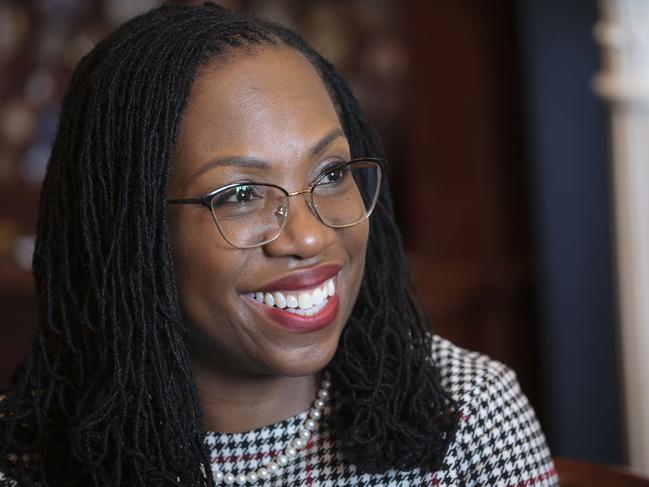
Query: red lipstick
x=305, y=279
x=300, y=323
x=299, y=281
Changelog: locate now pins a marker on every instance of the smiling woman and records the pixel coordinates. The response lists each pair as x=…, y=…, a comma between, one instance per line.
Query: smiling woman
x=267, y=114
x=223, y=291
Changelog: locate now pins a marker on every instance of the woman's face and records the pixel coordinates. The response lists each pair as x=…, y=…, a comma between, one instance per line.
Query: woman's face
x=264, y=117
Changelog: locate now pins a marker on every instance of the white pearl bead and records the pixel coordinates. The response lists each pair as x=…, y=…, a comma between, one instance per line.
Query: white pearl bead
x=305, y=434
x=298, y=443
x=290, y=451
x=263, y=473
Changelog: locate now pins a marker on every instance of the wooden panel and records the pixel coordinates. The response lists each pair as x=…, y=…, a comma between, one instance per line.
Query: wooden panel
x=577, y=473
x=462, y=194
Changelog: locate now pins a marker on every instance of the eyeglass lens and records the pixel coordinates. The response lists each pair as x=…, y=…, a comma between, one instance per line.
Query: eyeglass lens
x=249, y=215
x=345, y=195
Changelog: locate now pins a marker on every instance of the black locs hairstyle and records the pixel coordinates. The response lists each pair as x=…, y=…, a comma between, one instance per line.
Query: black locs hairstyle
x=108, y=396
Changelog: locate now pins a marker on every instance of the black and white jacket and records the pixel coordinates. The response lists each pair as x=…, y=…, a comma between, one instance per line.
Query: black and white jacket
x=499, y=442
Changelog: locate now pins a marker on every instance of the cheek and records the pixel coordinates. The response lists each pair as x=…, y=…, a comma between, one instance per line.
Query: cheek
x=202, y=266
x=188, y=242
x=358, y=240
x=356, y=243
x=189, y=282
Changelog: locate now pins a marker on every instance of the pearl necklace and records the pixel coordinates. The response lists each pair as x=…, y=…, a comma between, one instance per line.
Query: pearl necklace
x=280, y=461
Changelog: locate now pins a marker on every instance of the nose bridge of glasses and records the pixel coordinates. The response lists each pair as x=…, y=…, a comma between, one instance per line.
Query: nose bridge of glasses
x=295, y=193
x=307, y=192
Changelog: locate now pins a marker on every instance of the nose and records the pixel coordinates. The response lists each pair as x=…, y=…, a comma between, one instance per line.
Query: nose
x=304, y=236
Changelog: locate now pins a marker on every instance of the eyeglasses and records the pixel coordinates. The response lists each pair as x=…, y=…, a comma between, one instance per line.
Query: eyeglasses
x=253, y=214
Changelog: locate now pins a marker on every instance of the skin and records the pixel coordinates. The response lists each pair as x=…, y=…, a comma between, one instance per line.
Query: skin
x=269, y=104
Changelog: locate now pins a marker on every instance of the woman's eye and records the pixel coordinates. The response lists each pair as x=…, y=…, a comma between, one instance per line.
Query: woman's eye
x=243, y=194
x=238, y=195
x=334, y=176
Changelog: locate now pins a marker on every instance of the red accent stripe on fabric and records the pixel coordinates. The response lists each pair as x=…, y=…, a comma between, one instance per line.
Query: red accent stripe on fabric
x=309, y=467
x=546, y=476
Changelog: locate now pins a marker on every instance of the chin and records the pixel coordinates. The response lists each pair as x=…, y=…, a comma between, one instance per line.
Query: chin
x=303, y=360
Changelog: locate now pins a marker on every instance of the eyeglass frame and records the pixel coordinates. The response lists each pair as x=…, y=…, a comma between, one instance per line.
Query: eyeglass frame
x=207, y=199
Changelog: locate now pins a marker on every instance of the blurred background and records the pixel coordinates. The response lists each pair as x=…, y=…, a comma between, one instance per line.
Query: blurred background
x=515, y=134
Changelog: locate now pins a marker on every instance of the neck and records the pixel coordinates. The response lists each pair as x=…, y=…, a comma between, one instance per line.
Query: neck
x=235, y=404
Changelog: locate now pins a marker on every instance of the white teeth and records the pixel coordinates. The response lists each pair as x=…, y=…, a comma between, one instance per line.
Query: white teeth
x=280, y=300
x=307, y=312
x=305, y=300
x=331, y=289
x=318, y=297
x=291, y=301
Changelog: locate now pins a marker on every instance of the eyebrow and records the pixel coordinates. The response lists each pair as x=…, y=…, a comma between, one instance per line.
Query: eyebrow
x=253, y=162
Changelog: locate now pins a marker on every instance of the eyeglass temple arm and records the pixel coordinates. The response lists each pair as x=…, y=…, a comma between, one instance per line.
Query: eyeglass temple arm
x=186, y=201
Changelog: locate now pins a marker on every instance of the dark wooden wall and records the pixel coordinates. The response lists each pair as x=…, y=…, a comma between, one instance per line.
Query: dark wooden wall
x=462, y=195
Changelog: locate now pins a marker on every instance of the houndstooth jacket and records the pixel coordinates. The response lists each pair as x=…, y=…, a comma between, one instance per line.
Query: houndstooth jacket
x=499, y=442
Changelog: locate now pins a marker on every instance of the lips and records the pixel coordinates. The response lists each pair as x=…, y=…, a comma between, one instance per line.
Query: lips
x=305, y=279
x=316, y=316
x=301, y=323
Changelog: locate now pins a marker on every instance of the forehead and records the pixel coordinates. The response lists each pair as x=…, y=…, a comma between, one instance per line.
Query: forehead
x=270, y=104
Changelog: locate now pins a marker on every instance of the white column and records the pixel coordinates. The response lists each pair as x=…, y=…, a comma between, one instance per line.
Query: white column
x=623, y=33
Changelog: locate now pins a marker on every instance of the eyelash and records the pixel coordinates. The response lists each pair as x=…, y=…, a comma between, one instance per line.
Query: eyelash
x=328, y=166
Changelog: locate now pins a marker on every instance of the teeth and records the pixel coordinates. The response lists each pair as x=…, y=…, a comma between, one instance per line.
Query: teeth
x=280, y=300
x=307, y=312
x=318, y=296
x=291, y=301
x=304, y=302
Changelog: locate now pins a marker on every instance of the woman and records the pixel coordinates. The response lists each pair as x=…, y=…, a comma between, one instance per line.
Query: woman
x=216, y=304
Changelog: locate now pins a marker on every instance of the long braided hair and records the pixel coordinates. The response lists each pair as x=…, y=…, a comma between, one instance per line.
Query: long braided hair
x=108, y=395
